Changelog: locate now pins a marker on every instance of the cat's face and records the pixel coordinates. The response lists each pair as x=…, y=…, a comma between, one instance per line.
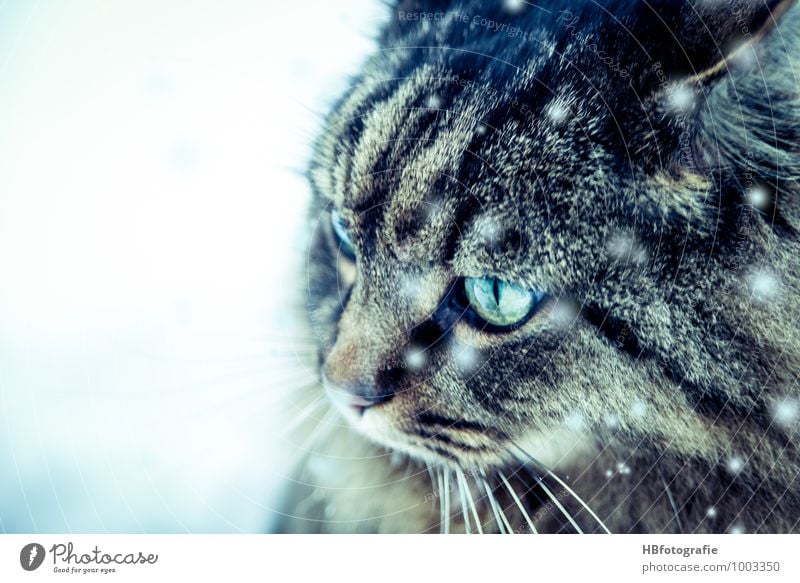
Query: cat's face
x=513, y=249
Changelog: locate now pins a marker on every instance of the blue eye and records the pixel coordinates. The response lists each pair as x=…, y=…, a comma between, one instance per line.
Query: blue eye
x=500, y=303
x=340, y=229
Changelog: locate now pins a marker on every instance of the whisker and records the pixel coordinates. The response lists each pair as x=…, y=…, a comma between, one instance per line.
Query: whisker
x=471, y=500
x=306, y=412
x=503, y=517
x=324, y=425
x=671, y=499
x=560, y=506
x=563, y=485
x=446, y=480
x=518, y=503
x=502, y=524
x=461, y=495
x=432, y=477
x=440, y=480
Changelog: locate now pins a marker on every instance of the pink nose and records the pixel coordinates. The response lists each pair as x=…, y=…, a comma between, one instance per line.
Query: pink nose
x=357, y=399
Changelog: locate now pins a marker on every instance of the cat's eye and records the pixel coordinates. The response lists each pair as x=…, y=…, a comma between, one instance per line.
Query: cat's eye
x=342, y=234
x=500, y=303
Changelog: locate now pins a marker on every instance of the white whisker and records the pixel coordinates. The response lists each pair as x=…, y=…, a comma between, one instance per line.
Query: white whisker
x=446, y=481
x=463, y=497
x=518, y=503
x=671, y=501
x=567, y=488
x=471, y=501
x=324, y=425
x=561, y=508
x=305, y=413
x=502, y=523
x=440, y=481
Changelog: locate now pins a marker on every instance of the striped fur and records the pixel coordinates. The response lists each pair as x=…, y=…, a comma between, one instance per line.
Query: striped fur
x=609, y=155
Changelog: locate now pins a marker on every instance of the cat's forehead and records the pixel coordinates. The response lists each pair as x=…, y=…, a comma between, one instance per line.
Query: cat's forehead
x=432, y=135
x=435, y=164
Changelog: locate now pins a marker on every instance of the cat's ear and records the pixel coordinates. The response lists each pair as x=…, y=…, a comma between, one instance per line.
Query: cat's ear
x=697, y=40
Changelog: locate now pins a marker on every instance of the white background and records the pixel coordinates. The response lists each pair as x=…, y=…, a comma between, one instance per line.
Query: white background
x=151, y=214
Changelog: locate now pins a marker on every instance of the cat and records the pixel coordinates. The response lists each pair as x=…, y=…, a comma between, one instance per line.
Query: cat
x=552, y=275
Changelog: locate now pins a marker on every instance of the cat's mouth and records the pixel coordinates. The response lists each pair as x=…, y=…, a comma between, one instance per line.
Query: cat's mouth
x=384, y=423
x=431, y=438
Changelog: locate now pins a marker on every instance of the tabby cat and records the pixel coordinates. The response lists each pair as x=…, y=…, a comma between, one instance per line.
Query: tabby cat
x=552, y=274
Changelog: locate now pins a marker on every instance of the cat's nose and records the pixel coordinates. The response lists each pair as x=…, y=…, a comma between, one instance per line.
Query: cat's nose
x=355, y=396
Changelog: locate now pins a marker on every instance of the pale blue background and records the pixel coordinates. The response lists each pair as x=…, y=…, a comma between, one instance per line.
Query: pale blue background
x=149, y=219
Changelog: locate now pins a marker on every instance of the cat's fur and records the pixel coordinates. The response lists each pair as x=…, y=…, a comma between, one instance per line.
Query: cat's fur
x=609, y=155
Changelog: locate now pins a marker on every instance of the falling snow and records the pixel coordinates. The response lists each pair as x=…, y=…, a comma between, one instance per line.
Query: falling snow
x=564, y=313
x=415, y=358
x=759, y=197
x=434, y=102
x=711, y=512
x=682, y=98
x=612, y=421
x=638, y=409
x=514, y=6
x=736, y=529
x=625, y=247
x=575, y=422
x=466, y=358
x=489, y=230
x=623, y=468
x=763, y=285
x=785, y=412
x=557, y=112
x=410, y=286
x=744, y=57
x=735, y=464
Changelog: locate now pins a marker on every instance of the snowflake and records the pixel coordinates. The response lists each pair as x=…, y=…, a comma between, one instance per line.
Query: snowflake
x=557, y=112
x=612, y=421
x=410, y=286
x=415, y=358
x=785, y=412
x=758, y=196
x=434, y=102
x=624, y=247
x=736, y=529
x=623, y=468
x=735, y=464
x=481, y=130
x=638, y=409
x=564, y=313
x=711, y=512
x=490, y=230
x=682, y=98
x=609, y=473
x=514, y=6
x=575, y=422
x=466, y=358
x=763, y=285
x=744, y=57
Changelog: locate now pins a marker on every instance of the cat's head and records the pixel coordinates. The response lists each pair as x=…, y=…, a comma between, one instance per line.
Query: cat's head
x=524, y=220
